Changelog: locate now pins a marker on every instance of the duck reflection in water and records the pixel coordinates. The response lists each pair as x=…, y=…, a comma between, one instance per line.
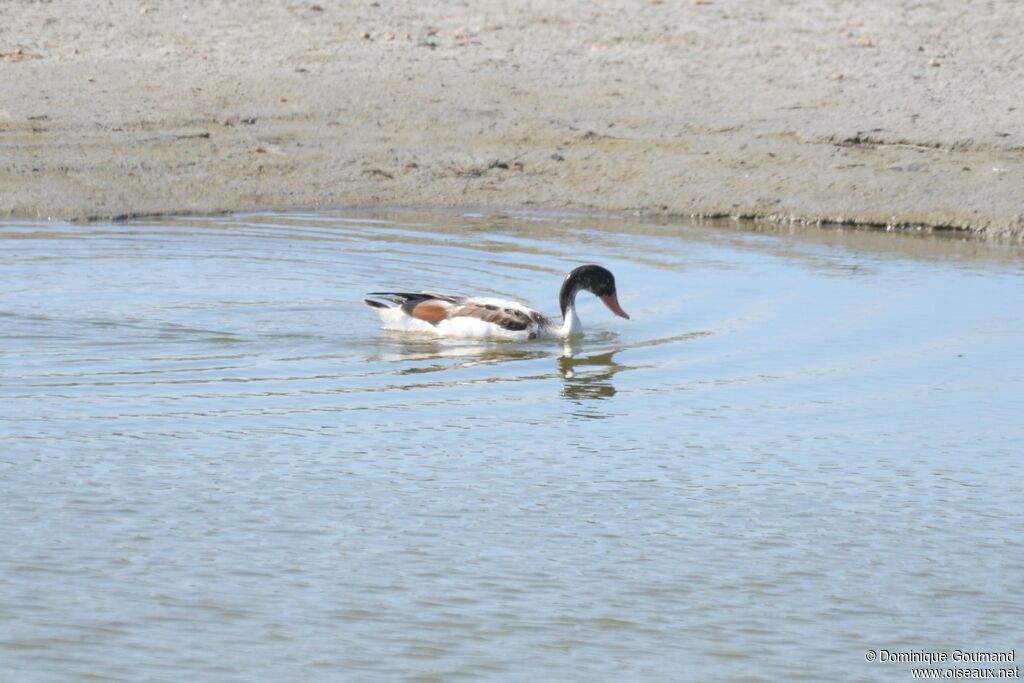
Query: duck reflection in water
x=588, y=376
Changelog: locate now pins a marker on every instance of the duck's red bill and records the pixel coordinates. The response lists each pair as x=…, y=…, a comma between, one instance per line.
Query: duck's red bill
x=612, y=302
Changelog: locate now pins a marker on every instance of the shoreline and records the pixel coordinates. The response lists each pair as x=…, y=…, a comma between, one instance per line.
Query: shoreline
x=768, y=221
x=867, y=115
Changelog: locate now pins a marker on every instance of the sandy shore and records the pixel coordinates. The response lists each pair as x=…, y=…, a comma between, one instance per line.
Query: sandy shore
x=872, y=112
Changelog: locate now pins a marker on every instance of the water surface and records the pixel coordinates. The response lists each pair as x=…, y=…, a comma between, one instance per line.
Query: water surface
x=215, y=466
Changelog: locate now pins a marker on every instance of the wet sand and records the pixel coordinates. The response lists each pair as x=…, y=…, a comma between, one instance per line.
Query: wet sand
x=875, y=113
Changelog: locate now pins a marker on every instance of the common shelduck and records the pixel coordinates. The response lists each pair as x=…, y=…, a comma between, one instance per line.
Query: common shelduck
x=464, y=316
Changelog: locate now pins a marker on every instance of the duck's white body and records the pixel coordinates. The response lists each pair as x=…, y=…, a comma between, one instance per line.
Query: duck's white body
x=478, y=317
x=488, y=318
x=470, y=326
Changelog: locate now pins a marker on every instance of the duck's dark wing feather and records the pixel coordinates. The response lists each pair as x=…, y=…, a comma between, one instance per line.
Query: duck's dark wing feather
x=507, y=318
x=415, y=297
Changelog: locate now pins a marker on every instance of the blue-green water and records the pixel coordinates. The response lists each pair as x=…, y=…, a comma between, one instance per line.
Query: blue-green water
x=215, y=466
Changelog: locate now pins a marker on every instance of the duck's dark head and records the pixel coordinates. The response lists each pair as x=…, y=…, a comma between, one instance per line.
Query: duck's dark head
x=594, y=279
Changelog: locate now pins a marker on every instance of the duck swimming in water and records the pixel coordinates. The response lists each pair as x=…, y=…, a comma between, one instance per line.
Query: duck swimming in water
x=483, y=317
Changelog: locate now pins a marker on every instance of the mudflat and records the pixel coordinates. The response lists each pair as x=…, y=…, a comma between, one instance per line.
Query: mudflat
x=876, y=113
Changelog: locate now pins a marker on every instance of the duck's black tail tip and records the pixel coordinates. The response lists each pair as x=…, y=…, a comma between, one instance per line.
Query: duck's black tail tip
x=374, y=304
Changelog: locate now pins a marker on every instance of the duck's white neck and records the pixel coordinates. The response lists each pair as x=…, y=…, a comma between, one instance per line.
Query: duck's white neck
x=571, y=325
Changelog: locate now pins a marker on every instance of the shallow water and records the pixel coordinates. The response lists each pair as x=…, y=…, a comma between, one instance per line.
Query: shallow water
x=215, y=466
